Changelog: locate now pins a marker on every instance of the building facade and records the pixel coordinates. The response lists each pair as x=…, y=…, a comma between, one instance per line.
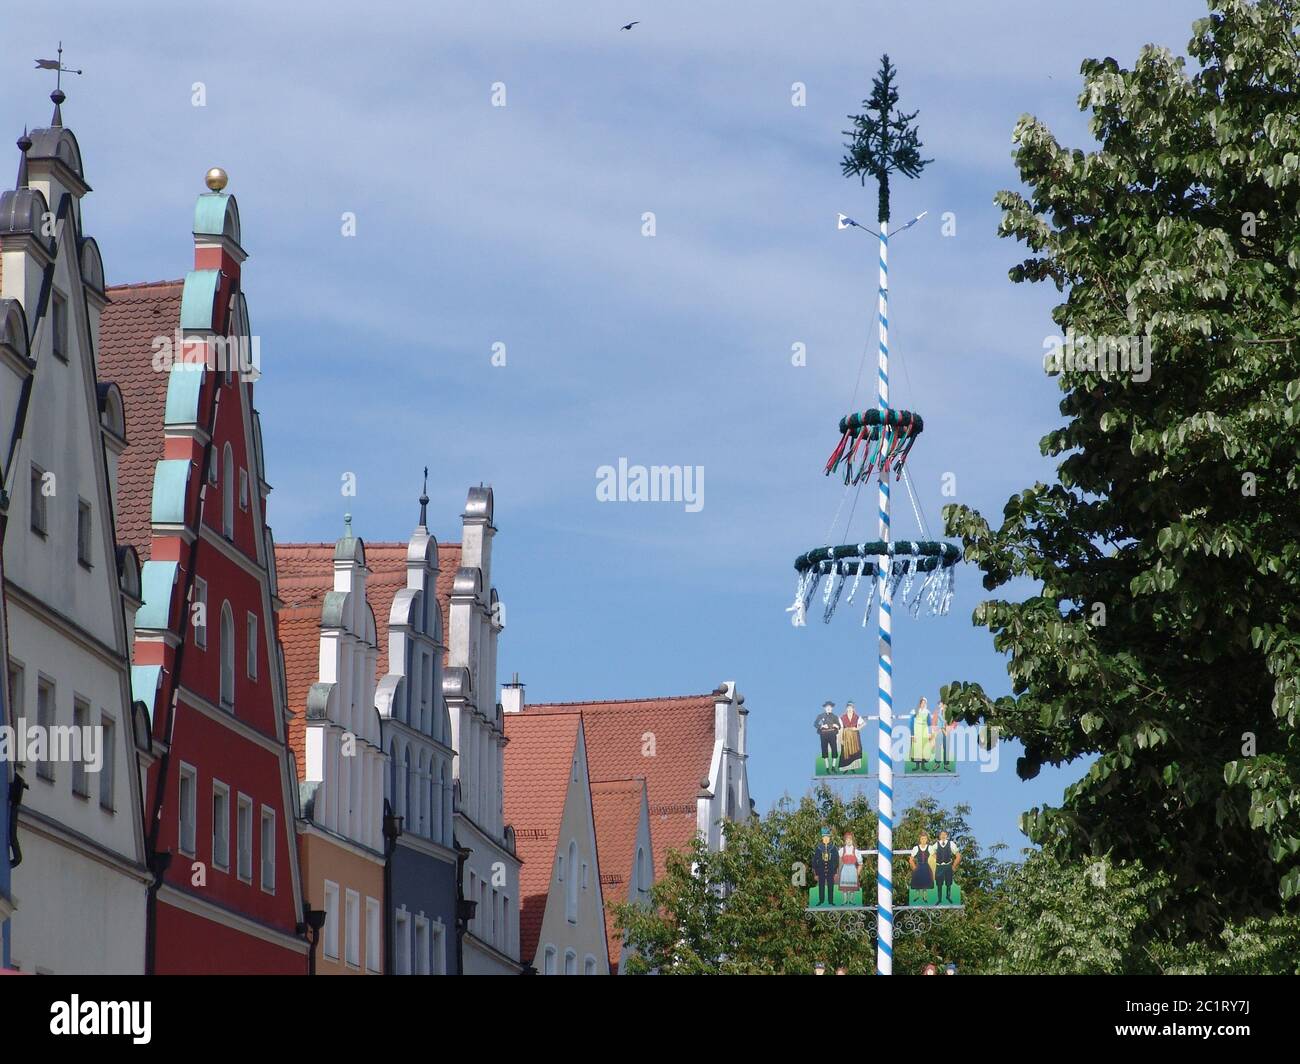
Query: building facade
x=549, y=805
x=328, y=635
x=692, y=752
x=490, y=871
x=77, y=891
x=221, y=800
x=626, y=853
x=417, y=740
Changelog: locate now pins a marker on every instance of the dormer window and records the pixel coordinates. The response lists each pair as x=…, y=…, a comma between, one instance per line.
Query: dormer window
x=59, y=324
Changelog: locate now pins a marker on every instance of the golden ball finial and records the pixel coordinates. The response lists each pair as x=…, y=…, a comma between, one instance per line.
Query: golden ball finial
x=216, y=179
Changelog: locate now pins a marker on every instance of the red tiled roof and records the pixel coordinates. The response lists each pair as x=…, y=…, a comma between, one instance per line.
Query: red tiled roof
x=616, y=805
x=305, y=573
x=135, y=314
x=538, y=758
x=683, y=749
x=387, y=564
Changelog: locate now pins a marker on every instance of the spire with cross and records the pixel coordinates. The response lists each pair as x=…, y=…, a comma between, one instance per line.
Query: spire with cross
x=58, y=95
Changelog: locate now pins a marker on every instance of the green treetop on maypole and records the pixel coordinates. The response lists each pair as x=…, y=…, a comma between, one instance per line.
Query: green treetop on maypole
x=884, y=140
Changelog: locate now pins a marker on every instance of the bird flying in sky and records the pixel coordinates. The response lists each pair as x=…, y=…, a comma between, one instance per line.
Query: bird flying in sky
x=630, y=25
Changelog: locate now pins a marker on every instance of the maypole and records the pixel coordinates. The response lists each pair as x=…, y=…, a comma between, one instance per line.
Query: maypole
x=885, y=664
x=884, y=141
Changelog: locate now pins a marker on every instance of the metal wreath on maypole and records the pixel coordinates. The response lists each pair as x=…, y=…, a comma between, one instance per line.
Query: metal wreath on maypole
x=878, y=441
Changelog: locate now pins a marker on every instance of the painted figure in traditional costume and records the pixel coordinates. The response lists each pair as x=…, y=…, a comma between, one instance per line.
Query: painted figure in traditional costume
x=850, y=737
x=825, y=863
x=828, y=729
x=941, y=732
x=918, y=859
x=946, y=859
x=922, y=749
x=850, y=875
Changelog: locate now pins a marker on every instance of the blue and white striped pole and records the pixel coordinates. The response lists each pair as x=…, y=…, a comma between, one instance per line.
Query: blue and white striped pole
x=885, y=671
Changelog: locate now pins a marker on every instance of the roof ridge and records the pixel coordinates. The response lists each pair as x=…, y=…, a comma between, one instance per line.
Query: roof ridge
x=133, y=285
x=621, y=701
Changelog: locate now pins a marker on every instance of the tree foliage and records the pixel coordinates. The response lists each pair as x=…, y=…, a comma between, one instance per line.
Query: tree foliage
x=1176, y=507
x=742, y=911
x=883, y=140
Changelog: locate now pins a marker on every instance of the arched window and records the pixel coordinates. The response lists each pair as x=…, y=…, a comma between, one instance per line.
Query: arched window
x=642, y=873
x=227, y=658
x=228, y=493
x=420, y=813
x=391, y=789
x=406, y=801
x=438, y=785
x=571, y=889
x=570, y=962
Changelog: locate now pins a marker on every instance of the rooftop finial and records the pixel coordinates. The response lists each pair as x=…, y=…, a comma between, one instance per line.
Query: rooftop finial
x=216, y=179
x=347, y=524
x=24, y=146
x=58, y=95
x=424, y=500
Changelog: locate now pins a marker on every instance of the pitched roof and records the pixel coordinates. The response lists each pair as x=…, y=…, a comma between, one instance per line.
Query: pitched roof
x=616, y=805
x=683, y=733
x=538, y=757
x=305, y=573
x=135, y=314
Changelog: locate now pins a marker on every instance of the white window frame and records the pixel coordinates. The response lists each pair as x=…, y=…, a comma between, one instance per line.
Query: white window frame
x=438, y=946
x=374, y=936
x=108, y=770
x=200, y=596
x=47, y=716
x=243, y=489
x=570, y=961
x=80, y=719
x=548, y=961
x=352, y=928
x=228, y=492
x=330, y=939
x=187, y=811
x=422, y=940
x=589, y=965
x=267, y=842
x=244, y=838
x=226, y=695
x=221, y=831
x=402, y=942
x=250, y=654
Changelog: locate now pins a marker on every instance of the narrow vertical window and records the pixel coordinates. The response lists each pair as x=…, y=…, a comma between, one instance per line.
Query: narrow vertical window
x=83, y=532
x=251, y=663
x=107, y=770
x=227, y=658
x=80, y=721
x=45, y=707
x=268, y=849
x=244, y=840
x=185, y=800
x=220, y=826
x=59, y=322
x=37, y=502
x=228, y=493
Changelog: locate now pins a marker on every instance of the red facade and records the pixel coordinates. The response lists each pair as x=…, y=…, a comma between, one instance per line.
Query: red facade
x=206, y=918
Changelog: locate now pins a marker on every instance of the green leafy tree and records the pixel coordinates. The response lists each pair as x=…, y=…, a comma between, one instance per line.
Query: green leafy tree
x=1163, y=635
x=742, y=911
x=883, y=140
x=1084, y=919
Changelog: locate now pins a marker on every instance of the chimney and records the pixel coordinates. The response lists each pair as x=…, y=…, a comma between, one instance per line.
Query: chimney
x=512, y=696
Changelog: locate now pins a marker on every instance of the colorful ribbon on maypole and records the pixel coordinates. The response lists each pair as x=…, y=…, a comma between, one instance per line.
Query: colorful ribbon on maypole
x=885, y=665
x=882, y=438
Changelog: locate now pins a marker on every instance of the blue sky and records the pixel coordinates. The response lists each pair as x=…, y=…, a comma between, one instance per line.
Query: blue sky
x=522, y=225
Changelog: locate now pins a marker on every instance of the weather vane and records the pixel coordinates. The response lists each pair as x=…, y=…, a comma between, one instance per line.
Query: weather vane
x=57, y=95
x=57, y=66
